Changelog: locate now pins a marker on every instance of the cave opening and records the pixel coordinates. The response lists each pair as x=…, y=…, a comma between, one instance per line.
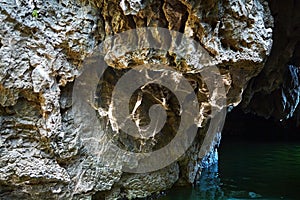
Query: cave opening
x=259, y=158
x=250, y=127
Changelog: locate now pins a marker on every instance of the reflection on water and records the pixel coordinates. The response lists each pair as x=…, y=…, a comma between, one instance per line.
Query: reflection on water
x=255, y=170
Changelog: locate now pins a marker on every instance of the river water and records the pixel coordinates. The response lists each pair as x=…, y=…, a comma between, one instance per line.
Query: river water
x=248, y=170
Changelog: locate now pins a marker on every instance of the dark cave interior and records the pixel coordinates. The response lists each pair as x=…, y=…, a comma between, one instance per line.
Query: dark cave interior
x=252, y=127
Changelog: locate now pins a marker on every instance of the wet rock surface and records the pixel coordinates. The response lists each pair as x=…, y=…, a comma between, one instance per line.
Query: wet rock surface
x=42, y=48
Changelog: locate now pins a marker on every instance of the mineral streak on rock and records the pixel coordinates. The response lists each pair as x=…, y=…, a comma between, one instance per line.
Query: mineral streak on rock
x=41, y=154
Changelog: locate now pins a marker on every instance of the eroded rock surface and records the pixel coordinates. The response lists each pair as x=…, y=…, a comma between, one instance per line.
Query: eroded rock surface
x=42, y=47
x=275, y=92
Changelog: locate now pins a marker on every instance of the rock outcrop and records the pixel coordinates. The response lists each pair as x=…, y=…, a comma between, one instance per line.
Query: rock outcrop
x=275, y=92
x=42, y=47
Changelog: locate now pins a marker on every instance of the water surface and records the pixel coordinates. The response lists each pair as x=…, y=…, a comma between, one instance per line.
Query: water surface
x=248, y=170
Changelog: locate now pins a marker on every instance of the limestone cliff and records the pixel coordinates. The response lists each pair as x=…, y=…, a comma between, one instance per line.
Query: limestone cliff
x=43, y=45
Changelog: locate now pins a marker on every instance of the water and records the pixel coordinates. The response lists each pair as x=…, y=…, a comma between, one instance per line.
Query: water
x=248, y=170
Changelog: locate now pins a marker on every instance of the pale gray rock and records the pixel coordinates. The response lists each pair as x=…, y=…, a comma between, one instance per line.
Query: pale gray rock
x=132, y=7
x=42, y=47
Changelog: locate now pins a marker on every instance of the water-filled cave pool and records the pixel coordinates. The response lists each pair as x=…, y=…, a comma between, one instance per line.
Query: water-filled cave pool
x=248, y=170
x=258, y=159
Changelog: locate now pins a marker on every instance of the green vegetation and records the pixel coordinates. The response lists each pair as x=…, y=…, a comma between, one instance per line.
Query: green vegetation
x=35, y=13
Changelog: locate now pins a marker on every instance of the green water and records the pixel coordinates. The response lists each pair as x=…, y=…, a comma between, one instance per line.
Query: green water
x=248, y=170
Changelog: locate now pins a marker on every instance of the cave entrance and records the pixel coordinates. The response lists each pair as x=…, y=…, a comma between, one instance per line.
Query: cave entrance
x=258, y=159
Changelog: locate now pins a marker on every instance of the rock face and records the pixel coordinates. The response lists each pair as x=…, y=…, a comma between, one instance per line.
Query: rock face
x=42, y=47
x=275, y=92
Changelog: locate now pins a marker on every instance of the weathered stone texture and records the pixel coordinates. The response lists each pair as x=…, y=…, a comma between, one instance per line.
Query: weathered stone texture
x=275, y=92
x=41, y=153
